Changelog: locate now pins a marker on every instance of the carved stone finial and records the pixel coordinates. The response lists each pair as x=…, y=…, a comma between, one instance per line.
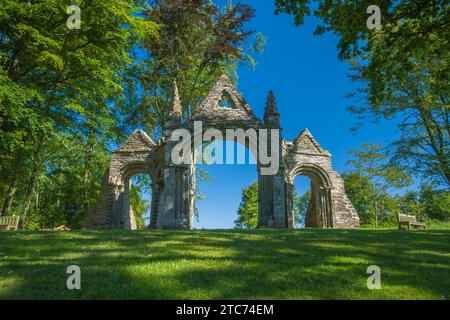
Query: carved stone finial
x=271, y=104
x=271, y=114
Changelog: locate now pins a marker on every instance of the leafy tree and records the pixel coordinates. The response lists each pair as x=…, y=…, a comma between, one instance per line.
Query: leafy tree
x=59, y=185
x=200, y=174
x=198, y=42
x=370, y=164
x=411, y=204
x=248, y=209
x=139, y=205
x=436, y=203
x=301, y=204
x=56, y=90
x=67, y=96
x=406, y=23
x=359, y=190
x=417, y=97
x=426, y=203
x=403, y=69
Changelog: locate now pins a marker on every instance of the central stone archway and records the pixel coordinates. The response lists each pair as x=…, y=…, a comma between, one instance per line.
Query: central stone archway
x=173, y=185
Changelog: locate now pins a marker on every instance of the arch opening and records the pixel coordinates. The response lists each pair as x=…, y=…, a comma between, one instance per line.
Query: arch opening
x=226, y=102
x=136, y=201
x=314, y=203
x=137, y=196
x=218, y=198
x=301, y=199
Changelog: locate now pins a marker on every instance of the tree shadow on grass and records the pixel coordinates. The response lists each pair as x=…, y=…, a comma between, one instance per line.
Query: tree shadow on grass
x=261, y=264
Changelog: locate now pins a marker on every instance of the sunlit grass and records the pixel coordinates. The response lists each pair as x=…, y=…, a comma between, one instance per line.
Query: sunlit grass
x=258, y=264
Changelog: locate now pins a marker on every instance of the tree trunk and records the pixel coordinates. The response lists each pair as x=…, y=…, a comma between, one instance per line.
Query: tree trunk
x=87, y=168
x=374, y=202
x=436, y=140
x=7, y=202
x=376, y=214
x=31, y=183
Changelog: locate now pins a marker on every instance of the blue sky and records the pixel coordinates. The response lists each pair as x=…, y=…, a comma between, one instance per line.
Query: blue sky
x=310, y=84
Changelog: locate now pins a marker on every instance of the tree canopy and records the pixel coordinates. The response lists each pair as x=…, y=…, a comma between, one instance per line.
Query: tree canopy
x=70, y=95
x=403, y=69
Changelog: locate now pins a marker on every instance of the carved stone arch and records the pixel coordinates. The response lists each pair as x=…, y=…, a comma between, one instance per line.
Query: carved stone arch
x=320, y=208
x=312, y=171
x=124, y=215
x=139, y=154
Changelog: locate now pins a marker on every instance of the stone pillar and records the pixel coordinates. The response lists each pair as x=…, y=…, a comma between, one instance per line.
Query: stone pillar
x=290, y=189
x=273, y=190
x=319, y=214
x=176, y=197
x=122, y=213
x=174, y=211
x=154, y=206
x=273, y=210
x=116, y=206
x=127, y=211
x=314, y=217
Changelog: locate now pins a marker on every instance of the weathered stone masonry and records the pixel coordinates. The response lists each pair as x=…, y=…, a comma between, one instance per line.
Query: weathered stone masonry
x=173, y=186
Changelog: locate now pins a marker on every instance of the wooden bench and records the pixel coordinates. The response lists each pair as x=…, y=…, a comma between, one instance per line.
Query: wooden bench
x=9, y=223
x=409, y=221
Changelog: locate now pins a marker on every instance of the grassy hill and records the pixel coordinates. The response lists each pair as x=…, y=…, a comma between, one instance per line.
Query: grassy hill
x=257, y=264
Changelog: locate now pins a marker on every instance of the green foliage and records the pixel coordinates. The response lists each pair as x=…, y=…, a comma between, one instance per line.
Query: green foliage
x=427, y=204
x=198, y=42
x=403, y=69
x=359, y=191
x=61, y=189
x=436, y=203
x=406, y=24
x=57, y=119
x=248, y=208
x=371, y=184
x=371, y=162
x=201, y=175
x=301, y=204
x=139, y=205
x=376, y=178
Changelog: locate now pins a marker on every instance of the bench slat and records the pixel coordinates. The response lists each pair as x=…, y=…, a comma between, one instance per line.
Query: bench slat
x=409, y=221
x=11, y=223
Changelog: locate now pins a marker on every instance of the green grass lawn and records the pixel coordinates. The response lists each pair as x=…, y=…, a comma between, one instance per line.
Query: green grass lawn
x=257, y=264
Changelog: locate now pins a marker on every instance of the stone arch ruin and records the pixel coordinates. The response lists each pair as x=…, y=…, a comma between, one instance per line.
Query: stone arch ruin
x=173, y=185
